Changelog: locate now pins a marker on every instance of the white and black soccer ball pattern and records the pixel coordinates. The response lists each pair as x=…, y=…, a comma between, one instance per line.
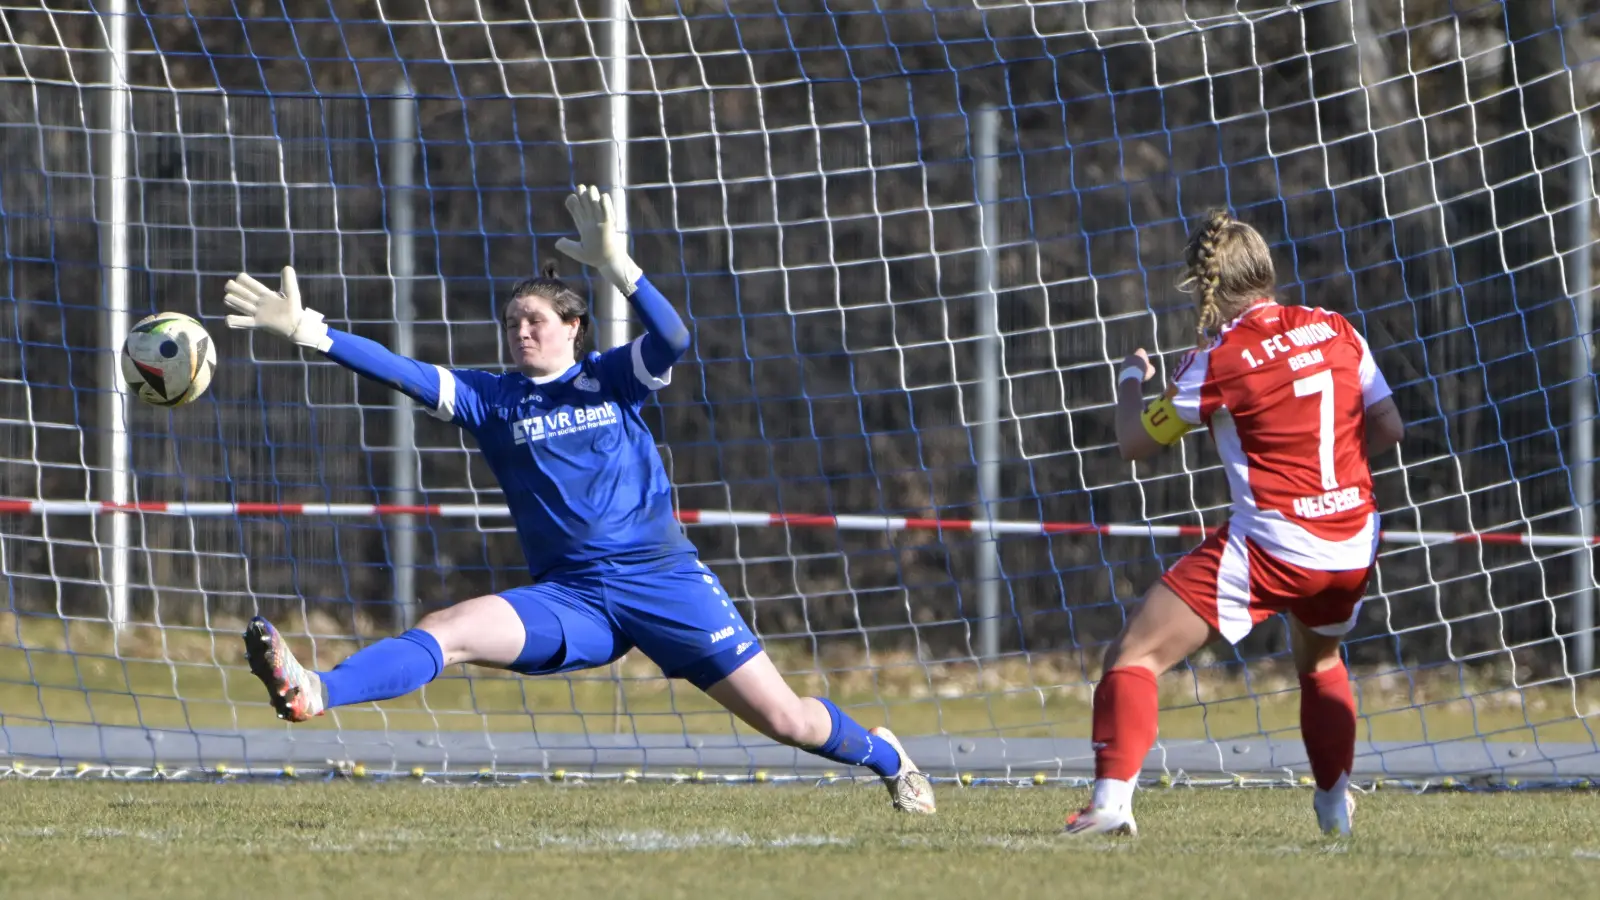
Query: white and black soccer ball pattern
x=168, y=359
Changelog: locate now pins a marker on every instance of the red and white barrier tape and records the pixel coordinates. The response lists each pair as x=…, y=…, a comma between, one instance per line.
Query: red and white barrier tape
x=746, y=519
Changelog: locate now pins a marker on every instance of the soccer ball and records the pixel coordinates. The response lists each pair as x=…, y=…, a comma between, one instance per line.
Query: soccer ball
x=168, y=359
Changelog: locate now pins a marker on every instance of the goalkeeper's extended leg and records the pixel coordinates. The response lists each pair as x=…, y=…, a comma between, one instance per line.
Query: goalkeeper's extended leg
x=484, y=630
x=1327, y=724
x=757, y=693
x=1157, y=637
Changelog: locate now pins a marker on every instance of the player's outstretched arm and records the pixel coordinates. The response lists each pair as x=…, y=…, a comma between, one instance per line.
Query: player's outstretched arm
x=601, y=246
x=1134, y=440
x=259, y=308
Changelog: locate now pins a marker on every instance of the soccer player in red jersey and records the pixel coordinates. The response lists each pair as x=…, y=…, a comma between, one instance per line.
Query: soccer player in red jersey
x=1297, y=407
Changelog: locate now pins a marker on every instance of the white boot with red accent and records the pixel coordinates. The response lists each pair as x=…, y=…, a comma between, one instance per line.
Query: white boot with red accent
x=1110, y=812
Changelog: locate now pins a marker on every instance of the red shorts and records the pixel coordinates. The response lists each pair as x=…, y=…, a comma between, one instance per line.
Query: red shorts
x=1233, y=584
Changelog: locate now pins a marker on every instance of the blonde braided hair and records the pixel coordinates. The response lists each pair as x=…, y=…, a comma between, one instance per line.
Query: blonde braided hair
x=1228, y=266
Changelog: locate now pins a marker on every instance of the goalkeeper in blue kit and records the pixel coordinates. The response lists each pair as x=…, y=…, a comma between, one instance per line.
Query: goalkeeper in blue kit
x=610, y=568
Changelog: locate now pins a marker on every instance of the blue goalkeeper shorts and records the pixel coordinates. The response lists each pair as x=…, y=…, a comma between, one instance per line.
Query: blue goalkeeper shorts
x=680, y=618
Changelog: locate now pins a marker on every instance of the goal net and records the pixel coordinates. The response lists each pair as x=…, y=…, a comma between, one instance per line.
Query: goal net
x=910, y=240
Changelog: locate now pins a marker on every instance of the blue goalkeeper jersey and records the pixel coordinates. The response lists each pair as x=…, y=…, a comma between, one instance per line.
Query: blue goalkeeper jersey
x=579, y=467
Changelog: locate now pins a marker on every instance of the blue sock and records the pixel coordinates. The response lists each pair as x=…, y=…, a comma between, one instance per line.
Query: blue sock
x=850, y=744
x=390, y=668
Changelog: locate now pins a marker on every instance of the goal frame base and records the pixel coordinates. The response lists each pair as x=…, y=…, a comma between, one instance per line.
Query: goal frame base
x=1024, y=757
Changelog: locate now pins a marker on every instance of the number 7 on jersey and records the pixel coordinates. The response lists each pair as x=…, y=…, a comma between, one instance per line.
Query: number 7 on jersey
x=1322, y=383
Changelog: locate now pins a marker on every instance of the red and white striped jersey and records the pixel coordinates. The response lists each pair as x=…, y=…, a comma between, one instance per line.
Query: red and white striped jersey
x=1284, y=391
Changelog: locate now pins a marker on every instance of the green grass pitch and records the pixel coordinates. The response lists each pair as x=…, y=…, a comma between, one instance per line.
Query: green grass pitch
x=351, y=840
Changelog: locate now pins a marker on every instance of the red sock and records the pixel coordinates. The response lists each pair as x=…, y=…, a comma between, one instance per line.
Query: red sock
x=1328, y=723
x=1125, y=710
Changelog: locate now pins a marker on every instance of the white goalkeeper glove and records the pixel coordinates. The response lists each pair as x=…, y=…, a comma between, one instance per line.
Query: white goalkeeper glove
x=276, y=312
x=599, y=242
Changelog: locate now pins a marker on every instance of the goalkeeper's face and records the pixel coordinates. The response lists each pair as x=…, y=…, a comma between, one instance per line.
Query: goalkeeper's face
x=540, y=341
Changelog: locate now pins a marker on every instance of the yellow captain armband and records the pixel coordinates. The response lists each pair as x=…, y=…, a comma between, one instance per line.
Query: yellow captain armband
x=1161, y=421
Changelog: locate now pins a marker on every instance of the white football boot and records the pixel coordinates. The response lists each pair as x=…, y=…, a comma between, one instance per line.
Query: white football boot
x=1101, y=820
x=1334, y=815
x=909, y=788
x=1110, y=810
